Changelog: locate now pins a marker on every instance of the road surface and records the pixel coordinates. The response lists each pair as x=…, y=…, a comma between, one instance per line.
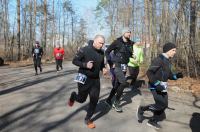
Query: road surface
x=30, y=103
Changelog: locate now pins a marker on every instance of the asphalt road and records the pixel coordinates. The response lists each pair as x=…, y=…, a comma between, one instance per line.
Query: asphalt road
x=30, y=103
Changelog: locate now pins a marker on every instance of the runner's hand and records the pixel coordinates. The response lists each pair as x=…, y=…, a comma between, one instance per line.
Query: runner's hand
x=90, y=64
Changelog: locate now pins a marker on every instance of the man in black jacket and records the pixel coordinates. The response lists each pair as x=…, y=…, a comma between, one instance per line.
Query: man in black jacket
x=158, y=73
x=122, y=51
x=90, y=60
x=37, y=53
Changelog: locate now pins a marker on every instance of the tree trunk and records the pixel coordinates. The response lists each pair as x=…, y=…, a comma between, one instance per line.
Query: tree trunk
x=18, y=30
x=192, y=34
x=133, y=19
x=34, y=22
x=45, y=25
x=5, y=26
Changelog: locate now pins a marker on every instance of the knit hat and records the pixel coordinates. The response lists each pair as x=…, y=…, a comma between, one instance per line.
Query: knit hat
x=168, y=46
x=125, y=30
x=37, y=42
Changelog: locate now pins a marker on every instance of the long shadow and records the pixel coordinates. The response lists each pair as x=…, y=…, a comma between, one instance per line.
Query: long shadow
x=197, y=99
x=101, y=109
x=127, y=97
x=6, y=119
x=7, y=91
x=49, y=71
x=135, y=90
x=53, y=125
x=27, y=76
x=194, y=122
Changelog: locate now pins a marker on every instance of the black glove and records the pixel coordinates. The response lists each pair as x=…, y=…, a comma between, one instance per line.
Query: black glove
x=159, y=88
x=179, y=75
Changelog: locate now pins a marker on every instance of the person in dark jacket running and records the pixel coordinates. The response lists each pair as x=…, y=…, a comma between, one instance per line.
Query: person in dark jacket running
x=158, y=73
x=122, y=51
x=37, y=53
x=90, y=60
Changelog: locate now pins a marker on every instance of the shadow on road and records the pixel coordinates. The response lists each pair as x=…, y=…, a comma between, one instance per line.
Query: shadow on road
x=13, y=89
x=31, y=113
x=195, y=103
x=99, y=110
x=127, y=97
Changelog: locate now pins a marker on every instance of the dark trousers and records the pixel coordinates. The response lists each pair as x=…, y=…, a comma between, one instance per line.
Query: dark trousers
x=120, y=84
x=91, y=88
x=134, y=71
x=161, y=103
x=37, y=63
x=113, y=76
x=59, y=64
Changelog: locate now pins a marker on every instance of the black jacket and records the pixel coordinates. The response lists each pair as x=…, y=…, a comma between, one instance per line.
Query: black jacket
x=122, y=51
x=160, y=70
x=37, y=52
x=89, y=53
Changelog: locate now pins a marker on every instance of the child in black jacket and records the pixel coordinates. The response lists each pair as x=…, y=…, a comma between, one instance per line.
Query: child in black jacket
x=158, y=73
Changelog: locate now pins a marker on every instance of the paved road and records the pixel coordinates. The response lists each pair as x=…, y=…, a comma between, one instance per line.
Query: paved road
x=30, y=103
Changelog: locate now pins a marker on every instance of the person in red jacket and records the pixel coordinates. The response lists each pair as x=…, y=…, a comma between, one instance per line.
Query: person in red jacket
x=59, y=56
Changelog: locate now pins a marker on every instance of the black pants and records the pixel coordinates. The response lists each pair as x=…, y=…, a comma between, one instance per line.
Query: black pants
x=113, y=76
x=120, y=84
x=134, y=71
x=37, y=63
x=161, y=103
x=91, y=88
x=59, y=64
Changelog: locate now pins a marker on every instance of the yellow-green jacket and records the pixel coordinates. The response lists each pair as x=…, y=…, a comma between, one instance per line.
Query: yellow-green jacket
x=137, y=56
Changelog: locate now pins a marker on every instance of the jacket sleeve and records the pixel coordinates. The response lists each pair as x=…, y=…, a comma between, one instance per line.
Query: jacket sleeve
x=77, y=60
x=141, y=57
x=154, y=67
x=32, y=51
x=172, y=76
x=63, y=51
x=113, y=46
x=102, y=65
x=41, y=51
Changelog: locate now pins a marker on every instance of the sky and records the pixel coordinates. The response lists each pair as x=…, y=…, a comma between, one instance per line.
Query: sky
x=83, y=8
x=86, y=8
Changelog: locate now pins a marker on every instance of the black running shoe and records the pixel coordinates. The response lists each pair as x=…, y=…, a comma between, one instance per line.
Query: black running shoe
x=153, y=123
x=139, y=114
x=117, y=107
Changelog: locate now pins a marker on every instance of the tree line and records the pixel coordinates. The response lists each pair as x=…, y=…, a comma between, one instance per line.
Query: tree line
x=158, y=22
x=49, y=22
x=155, y=21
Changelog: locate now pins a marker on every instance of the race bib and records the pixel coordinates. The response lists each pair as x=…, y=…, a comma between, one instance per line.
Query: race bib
x=36, y=51
x=80, y=78
x=164, y=84
x=58, y=54
x=124, y=67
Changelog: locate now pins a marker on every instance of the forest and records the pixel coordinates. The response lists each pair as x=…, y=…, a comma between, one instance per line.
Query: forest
x=22, y=22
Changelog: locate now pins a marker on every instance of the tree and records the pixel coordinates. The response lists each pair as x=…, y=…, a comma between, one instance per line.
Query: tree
x=192, y=35
x=18, y=30
x=45, y=24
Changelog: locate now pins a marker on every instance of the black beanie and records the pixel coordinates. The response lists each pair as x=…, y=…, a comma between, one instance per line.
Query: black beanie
x=168, y=46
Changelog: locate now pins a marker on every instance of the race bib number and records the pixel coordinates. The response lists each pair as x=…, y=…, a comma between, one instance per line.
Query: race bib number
x=80, y=78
